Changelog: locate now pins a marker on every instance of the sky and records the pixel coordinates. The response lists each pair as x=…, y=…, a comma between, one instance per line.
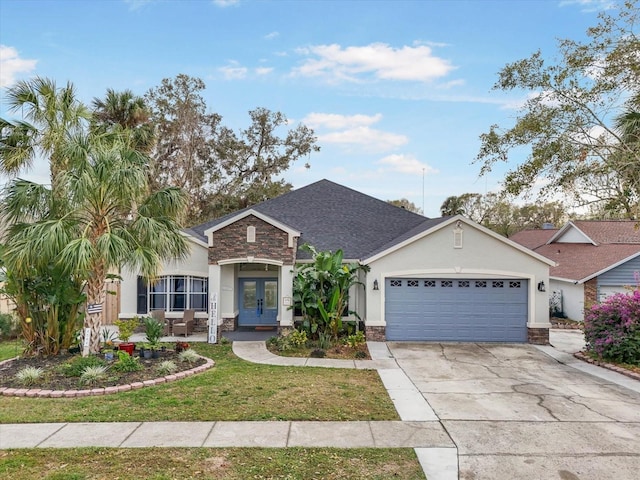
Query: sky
x=397, y=92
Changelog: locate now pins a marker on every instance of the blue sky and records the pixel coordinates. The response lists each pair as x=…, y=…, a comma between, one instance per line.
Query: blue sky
x=397, y=92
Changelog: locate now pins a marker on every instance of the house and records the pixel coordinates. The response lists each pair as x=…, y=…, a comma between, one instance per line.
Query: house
x=442, y=279
x=594, y=259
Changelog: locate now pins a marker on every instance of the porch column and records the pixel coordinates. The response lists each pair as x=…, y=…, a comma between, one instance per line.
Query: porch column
x=286, y=296
x=215, y=275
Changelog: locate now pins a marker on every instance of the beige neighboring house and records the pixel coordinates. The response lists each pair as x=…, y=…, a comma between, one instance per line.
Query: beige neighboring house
x=594, y=259
x=430, y=279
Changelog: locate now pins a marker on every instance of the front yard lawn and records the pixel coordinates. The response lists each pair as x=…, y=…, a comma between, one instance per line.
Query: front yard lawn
x=233, y=390
x=220, y=464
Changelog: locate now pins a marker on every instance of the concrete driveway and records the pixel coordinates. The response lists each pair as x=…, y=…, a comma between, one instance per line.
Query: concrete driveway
x=516, y=413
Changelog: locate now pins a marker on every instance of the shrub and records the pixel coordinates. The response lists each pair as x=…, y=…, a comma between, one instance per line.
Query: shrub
x=298, y=338
x=318, y=353
x=361, y=355
x=167, y=367
x=356, y=339
x=29, y=375
x=77, y=365
x=126, y=363
x=612, y=328
x=324, y=340
x=189, y=356
x=126, y=327
x=92, y=375
x=8, y=326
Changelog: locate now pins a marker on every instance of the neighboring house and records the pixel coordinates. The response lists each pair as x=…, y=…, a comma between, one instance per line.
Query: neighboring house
x=442, y=279
x=594, y=259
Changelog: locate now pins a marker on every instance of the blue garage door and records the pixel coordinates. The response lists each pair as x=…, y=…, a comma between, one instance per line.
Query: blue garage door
x=456, y=310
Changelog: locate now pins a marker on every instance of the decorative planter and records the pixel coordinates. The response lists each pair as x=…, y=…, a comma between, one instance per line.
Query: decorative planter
x=147, y=353
x=127, y=347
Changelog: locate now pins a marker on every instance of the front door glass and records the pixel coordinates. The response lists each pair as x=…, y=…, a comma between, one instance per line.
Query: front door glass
x=258, y=302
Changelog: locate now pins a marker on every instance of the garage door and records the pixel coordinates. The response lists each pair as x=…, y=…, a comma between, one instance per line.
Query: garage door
x=466, y=310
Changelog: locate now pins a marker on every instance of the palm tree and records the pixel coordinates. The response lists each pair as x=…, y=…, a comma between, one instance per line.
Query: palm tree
x=50, y=115
x=109, y=220
x=124, y=112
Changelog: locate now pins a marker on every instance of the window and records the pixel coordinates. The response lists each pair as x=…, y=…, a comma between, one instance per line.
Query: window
x=446, y=283
x=429, y=283
x=497, y=284
x=413, y=283
x=173, y=293
x=396, y=283
x=251, y=234
x=481, y=284
x=463, y=283
x=514, y=284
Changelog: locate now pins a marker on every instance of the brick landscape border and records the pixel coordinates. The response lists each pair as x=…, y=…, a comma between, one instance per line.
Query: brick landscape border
x=40, y=393
x=608, y=366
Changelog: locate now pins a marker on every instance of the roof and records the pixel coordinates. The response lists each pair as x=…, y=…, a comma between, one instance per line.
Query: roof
x=607, y=244
x=331, y=216
x=533, y=239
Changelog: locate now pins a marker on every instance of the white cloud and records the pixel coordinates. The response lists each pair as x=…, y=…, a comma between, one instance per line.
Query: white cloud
x=368, y=138
x=335, y=121
x=377, y=60
x=233, y=71
x=264, y=70
x=406, y=164
x=271, y=36
x=226, y=3
x=12, y=65
x=591, y=5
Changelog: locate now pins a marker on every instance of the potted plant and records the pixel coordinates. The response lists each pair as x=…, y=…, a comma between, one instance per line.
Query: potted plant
x=153, y=330
x=145, y=350
x=125, y=330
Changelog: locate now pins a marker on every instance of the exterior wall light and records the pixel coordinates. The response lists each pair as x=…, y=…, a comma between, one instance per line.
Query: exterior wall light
x=375, y=285
x=541, y=287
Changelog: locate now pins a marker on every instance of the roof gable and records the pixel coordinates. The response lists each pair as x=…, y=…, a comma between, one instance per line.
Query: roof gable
x=330, y=217
x=597, y=247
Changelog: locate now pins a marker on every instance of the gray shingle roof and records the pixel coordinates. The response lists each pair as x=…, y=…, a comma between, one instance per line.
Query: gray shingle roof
x=331, y=216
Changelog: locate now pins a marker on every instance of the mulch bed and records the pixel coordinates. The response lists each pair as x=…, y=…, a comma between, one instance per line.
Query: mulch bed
x=54, y=379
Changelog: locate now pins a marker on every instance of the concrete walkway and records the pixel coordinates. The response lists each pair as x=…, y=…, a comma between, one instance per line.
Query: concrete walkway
x=419, y=427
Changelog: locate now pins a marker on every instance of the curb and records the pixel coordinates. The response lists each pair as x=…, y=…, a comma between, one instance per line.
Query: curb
x=42, y=393
x=608, y=366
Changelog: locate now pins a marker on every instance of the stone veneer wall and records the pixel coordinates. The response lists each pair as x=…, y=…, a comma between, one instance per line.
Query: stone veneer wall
x=375, y=334
x=538, y=336
x=271, y=242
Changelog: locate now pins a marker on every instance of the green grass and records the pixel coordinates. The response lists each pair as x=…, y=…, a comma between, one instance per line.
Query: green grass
x=201, y=463
x=232, y=390
x=9, y=349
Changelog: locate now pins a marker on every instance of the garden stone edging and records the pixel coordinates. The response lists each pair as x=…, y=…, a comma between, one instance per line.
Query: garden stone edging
x=40, y=393
x=608, y=366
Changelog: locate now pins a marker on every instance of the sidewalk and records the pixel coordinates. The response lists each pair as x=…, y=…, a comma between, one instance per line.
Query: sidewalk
x=419, y=427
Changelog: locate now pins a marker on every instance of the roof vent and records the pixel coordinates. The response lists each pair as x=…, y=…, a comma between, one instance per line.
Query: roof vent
x=548, y=226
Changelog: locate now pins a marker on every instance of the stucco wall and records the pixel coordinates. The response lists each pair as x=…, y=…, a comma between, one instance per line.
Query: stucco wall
x=195, y=264
x=572, y=298
x=482, y=256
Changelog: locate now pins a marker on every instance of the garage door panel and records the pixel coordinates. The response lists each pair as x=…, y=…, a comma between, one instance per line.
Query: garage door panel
x=456, y=310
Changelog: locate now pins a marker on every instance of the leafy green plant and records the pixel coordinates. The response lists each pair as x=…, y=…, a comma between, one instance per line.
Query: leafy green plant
x=324, y=340
x=92, y=375
x=167, y=367
x=360, y=355
x=298, y=338
x=126, y=327
x=356, y=339
x=29, y=375
x=75, y=366
x=189, y=356
x=126, y=363
x=612, y=328
x=108, y=337
x=8, y=326
x=321, y=290
x=153, y=330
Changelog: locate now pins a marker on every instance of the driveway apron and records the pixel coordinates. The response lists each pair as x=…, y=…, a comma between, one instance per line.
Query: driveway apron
x=516, y=413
